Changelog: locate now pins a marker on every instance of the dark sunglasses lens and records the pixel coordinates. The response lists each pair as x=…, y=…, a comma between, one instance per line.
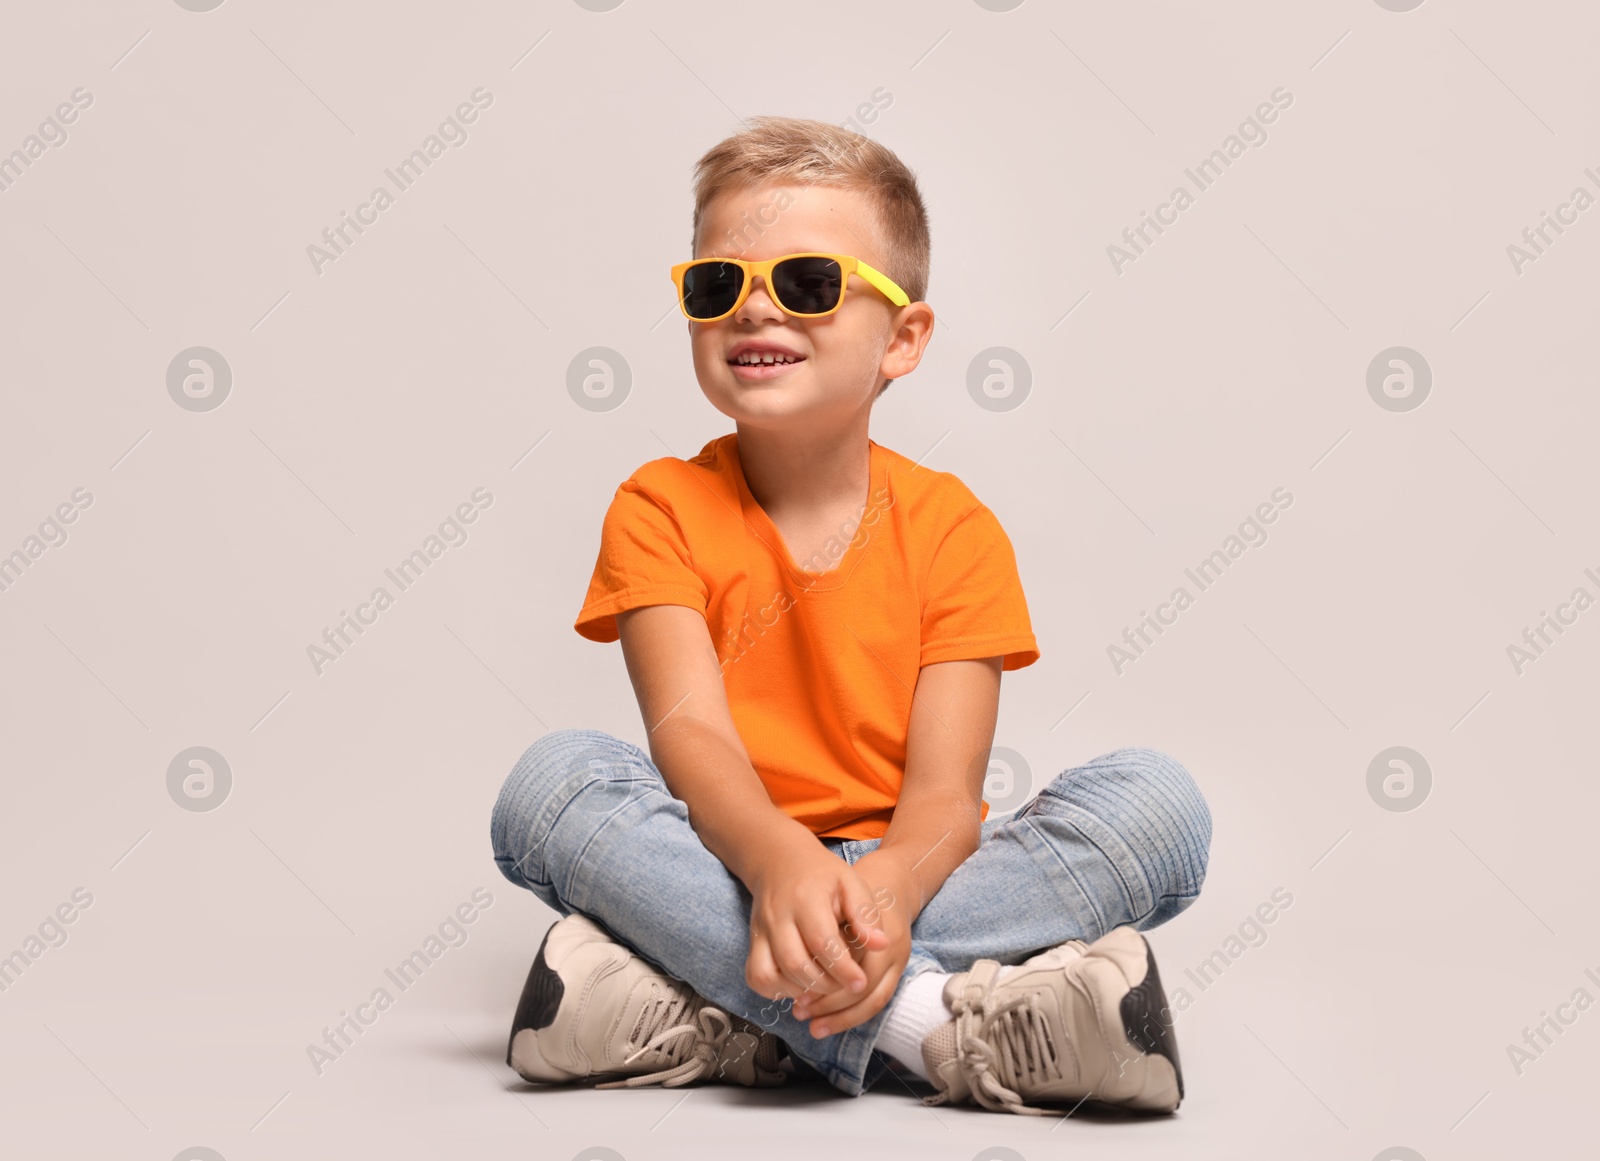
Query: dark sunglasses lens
x=711, y=288
x=808, y=285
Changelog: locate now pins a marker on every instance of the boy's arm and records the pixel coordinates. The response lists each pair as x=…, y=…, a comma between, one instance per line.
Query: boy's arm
x=693, y=740
x=801, y=893
x=935, y=826
x=937, y=819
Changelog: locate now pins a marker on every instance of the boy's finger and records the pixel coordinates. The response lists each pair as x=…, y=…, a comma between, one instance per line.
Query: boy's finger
x=859, y=1012
x=794, y=962
x=859, y=915
x=811, y=1006
x=855, y=939
x=831, y=956
x=760, y=972
x=875, y=965
x=862, y=940
x=814, y=990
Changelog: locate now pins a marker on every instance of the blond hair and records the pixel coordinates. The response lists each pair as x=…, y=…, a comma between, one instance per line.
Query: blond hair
x=795, y=151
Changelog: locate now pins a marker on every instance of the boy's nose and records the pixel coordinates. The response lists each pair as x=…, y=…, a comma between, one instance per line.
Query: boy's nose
x=759, y=300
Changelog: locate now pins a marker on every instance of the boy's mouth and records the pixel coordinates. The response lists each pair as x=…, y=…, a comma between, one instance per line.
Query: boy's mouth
x=761, y=363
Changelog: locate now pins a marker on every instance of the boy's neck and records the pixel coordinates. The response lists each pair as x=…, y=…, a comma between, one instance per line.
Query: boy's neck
x=806, y=470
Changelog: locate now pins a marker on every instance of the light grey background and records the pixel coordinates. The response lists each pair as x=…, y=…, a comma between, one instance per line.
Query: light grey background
x=1167, y=401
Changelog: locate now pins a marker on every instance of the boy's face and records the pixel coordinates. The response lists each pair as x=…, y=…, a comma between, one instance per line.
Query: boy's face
x=844, y=355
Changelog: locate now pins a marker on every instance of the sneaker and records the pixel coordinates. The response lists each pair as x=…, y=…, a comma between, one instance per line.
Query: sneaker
x=592, y=1007
x=1076, y=1022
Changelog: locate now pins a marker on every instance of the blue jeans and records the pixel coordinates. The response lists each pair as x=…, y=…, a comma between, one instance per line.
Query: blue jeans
x=586, y=822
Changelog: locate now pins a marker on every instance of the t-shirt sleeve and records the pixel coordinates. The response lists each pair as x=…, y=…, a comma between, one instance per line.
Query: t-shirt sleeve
x=643, y=560
x=975, y=606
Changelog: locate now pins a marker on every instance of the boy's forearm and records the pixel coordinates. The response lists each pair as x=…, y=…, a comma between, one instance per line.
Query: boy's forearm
x=729, y=807
x=927, y=839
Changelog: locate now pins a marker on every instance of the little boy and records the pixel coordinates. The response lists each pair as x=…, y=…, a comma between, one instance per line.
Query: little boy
x=800, y=877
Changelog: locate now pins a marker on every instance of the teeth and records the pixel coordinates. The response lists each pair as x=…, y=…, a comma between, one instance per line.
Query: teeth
x=750, y=358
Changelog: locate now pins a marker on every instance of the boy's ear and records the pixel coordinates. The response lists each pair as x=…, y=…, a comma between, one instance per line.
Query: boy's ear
x=911, y=332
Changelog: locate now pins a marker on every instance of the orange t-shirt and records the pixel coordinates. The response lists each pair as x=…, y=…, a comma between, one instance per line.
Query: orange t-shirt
x=819, y=666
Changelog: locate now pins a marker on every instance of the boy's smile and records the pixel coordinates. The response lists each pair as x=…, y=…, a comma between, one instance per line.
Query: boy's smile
x=757, y=360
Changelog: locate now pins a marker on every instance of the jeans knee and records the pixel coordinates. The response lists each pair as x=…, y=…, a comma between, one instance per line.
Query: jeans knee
x=1157, y=808
x=549, y=774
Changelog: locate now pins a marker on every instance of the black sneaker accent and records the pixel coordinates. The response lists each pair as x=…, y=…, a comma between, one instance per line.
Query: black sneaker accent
x=1146, y=1018
x=541, y=997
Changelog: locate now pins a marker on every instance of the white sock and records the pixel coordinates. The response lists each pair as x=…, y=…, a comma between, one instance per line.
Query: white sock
x=919, y=1009
x=917, y=1012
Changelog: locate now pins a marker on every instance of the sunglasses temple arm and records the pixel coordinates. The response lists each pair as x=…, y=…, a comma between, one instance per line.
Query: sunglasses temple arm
x=884, y=283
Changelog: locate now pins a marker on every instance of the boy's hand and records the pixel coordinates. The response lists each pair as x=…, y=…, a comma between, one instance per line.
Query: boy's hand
x=893, y=892
x=802, y=898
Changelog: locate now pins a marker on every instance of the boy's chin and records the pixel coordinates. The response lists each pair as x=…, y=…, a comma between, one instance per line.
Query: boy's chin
x=774, y=404
x=739, y=399
x=759, y=412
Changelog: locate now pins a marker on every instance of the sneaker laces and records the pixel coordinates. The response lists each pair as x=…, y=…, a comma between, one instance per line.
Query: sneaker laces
x=686, y=1032
x=1004, y=1047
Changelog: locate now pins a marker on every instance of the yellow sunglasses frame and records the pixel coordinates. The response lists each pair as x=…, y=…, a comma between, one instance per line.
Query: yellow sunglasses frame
x=848, y=265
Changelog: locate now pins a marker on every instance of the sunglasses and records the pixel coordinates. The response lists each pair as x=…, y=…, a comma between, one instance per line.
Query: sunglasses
x=805, y=285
